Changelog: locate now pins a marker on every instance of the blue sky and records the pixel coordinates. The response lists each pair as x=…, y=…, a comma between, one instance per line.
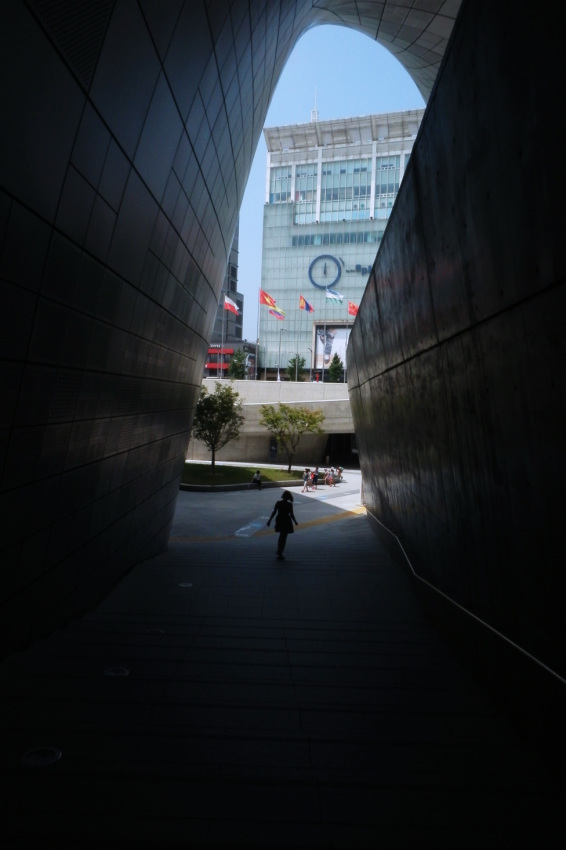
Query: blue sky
x=350, y=75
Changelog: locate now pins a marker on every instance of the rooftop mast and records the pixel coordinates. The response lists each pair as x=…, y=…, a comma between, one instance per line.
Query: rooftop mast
x=314, y=112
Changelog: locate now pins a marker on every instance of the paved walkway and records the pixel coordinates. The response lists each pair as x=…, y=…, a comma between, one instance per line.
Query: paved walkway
x=219, y=698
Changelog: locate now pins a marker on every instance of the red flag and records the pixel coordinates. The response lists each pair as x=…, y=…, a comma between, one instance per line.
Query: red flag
x=352, y=309
x=264, y=298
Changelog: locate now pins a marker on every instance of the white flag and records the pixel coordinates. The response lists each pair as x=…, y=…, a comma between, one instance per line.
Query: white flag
x=231, y=305
x=334, y=296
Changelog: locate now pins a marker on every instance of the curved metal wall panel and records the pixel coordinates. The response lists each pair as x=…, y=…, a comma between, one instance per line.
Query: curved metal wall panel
x=458, y=383
x=129, y=134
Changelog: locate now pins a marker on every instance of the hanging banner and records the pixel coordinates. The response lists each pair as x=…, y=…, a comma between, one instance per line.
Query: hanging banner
x=330, y=340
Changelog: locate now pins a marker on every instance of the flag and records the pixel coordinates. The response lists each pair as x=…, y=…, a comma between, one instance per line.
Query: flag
x=304, y=305
x=334, y=296
x=352, y=309
x=264, y=298
x=277, y=312
x=230, y=305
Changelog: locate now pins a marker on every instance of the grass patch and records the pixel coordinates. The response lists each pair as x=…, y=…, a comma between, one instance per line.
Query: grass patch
x=201, y=473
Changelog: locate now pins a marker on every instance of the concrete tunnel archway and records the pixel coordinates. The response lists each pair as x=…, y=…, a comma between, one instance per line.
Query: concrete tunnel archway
x=122, y=176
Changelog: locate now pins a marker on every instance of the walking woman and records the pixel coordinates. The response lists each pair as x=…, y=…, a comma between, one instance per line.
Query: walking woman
x=283, y=521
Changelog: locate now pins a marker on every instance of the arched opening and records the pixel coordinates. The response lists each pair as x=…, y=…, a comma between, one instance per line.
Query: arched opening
x=329, y=67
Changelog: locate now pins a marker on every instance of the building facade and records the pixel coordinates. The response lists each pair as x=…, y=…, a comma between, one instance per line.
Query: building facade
x=228, y=325
x=330, y=187
x=221, y=354
x=226, y=337
x=335, y=444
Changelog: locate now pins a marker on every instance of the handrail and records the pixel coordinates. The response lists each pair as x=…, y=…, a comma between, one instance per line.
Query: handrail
x=445, y=596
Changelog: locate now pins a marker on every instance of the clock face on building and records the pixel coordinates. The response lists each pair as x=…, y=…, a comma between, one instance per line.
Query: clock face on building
x=325, y=271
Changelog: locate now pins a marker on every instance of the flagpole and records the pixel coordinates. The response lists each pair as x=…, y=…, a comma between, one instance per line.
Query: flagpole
x=298, y=341
x=324, y=346
x=223, y=335
x=257, y=337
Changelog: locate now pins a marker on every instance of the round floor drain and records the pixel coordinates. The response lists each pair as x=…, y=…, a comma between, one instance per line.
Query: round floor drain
x=41, y=757
x=117, y=671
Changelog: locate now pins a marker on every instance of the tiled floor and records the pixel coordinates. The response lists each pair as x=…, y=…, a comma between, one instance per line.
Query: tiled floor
x=262, y=704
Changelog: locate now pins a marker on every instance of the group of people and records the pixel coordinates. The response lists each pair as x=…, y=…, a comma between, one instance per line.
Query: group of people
x=310, y=477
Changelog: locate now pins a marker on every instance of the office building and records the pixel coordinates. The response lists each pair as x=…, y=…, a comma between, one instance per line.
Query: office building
x=330, y=187
x=226, y=338
x=228, y=325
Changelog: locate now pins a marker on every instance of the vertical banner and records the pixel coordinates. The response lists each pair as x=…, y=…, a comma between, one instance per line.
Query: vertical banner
x=330, y=340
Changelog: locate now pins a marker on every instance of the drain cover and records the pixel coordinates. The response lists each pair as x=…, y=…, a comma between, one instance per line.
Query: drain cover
x=41, y=757
x=116, y=671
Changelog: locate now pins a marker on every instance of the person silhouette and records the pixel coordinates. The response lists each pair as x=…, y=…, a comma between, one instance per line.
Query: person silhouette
x=283, y=521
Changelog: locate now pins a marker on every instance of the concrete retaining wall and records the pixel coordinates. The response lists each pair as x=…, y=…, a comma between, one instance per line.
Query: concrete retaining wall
x=254, y=442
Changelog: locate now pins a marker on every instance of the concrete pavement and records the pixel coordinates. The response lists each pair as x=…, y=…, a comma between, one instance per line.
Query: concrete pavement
x=218, y=698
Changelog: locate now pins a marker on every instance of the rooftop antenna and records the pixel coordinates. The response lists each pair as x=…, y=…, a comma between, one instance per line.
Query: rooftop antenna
x=314, y=112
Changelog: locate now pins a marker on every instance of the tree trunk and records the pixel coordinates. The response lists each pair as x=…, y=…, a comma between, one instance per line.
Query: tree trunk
x=213, y=461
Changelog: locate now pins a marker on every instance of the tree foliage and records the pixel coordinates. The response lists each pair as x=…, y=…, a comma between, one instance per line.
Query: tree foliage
x=296, y=368
x=335, y=370
x=288, y=423
x=218, y=418
x=237, y=367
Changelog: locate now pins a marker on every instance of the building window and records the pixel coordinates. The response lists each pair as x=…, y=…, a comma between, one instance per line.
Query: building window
x=387, y=180
x=337, y=238
x=305, y=193
x=280, y=185
x=344, y=185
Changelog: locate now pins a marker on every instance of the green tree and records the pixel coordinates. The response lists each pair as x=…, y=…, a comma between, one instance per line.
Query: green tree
x=237, y=367
x=335, y=369
x=218, y=418
x=296, y=368
x=288, y=423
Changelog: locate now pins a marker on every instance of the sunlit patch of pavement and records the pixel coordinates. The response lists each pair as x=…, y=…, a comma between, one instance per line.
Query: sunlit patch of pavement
x=257, y=528
x=251, y=528
x=360, y=509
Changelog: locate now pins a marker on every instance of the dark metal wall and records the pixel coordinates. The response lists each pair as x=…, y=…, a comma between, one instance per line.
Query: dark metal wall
x=124, y=153
x=458, y=389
